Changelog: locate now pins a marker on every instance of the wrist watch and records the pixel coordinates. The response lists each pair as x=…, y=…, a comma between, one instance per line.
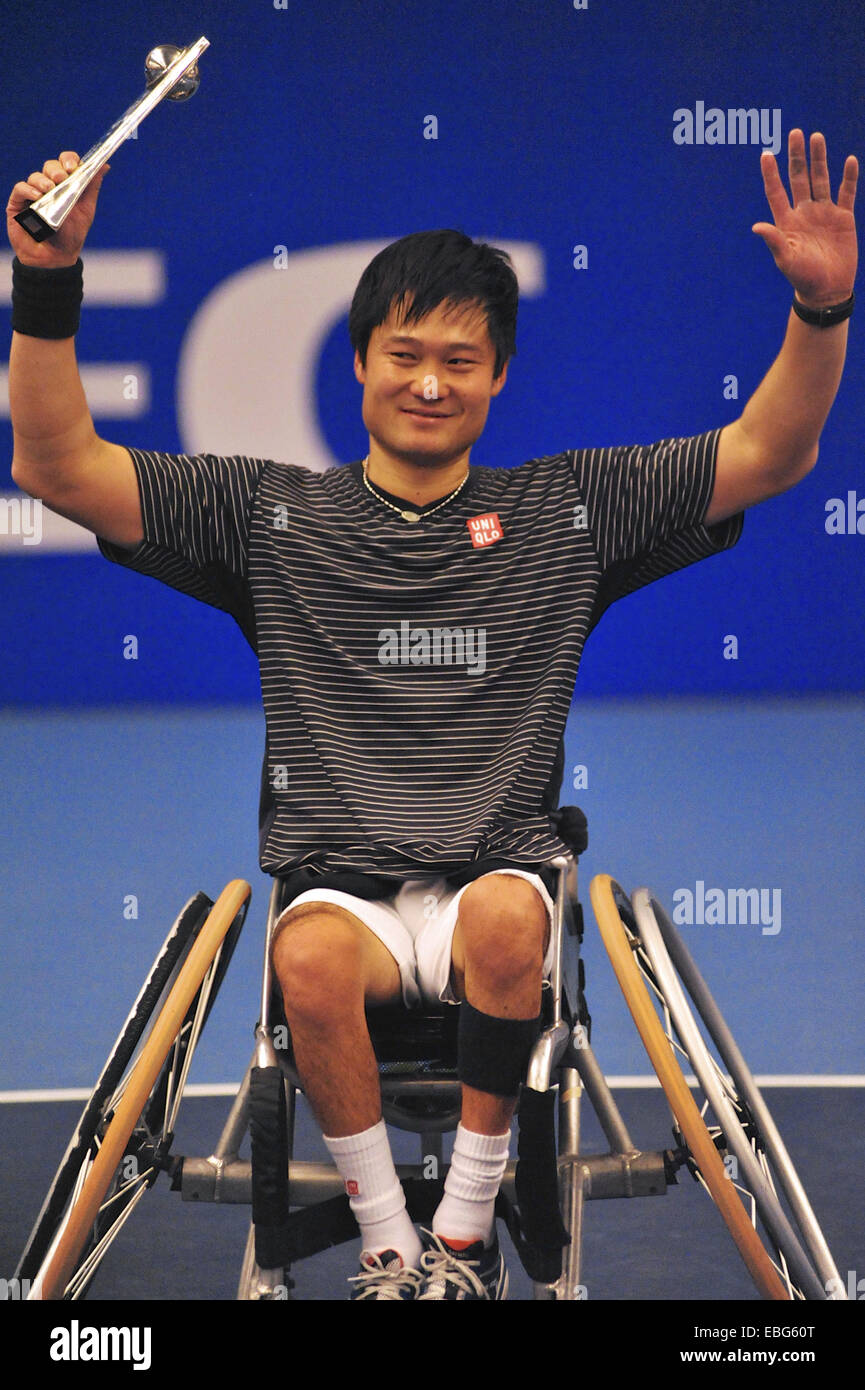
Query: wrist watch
x=825, y=318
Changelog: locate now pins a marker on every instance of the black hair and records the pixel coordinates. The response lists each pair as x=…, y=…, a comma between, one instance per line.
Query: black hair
x=425, y=269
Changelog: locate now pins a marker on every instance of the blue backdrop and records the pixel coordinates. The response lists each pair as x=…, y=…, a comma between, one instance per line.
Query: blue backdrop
x=231, y=232
x=228, y=240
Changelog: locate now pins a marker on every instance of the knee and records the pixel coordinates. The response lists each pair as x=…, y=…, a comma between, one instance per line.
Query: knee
x=504, y=927
x=316, y=959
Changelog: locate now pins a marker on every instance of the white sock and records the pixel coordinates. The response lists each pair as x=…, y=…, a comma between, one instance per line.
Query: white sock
x=467, y=1210
x=375, y=1193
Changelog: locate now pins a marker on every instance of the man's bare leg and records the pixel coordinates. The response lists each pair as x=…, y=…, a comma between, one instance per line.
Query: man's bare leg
x=497, y=967
x=499, y=946
x=330, y=966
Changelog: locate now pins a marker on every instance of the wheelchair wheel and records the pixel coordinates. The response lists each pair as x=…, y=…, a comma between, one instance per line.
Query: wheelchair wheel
x=618, y=929
x=124, y=1136
x=184, y=929
x=744, y=1125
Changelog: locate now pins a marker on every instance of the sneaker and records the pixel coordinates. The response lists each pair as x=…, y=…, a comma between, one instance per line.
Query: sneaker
x=385, y=1276
x=477, y=1272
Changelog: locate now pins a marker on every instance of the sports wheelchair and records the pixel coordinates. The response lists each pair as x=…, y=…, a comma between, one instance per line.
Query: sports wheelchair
x=723, y=1135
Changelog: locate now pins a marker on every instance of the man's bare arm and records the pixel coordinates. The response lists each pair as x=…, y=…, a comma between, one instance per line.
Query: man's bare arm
x=775, y=441
x=57, y=454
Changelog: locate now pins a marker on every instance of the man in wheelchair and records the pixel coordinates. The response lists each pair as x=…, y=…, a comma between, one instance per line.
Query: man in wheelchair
x=419, y=622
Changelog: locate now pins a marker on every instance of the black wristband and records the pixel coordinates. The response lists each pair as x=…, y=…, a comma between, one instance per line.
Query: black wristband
x=47, y=303
x=825, y=318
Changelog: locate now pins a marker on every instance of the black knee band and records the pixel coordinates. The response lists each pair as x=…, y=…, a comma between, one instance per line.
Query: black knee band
x=493, y=1053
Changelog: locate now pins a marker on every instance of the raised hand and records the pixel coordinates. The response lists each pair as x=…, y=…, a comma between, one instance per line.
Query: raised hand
x=64, y=247
x=814, y=241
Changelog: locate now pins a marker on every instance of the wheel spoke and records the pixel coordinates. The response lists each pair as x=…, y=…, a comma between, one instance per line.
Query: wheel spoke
x=738, y=1125
x=135, y=1103
x=89, y=1265
x=172, y=1105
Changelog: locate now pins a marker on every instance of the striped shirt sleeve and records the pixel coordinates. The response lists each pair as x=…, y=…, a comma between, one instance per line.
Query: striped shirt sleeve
x=645, y=507
x=196, y=516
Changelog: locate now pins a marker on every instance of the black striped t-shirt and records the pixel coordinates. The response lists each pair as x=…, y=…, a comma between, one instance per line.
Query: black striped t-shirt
x=417, y=677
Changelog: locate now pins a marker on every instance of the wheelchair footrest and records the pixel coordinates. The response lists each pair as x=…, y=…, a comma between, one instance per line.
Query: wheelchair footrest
x=534, y=1222
x=536, y=1226
x=268, y=1139
x=310, y=1230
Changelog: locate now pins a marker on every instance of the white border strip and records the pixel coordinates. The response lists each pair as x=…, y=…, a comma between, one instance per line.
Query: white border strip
x=219, y=1088
x=616, y=1083
x=121, y=277
x=37, y=535
x=114, y=390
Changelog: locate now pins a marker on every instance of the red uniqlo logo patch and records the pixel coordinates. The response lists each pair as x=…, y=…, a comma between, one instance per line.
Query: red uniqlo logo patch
x=352, y=1188
x=485, y=529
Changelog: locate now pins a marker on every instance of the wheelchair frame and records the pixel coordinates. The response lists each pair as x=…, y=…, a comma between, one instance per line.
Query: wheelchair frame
x=562, y=1060
x=299, y=1207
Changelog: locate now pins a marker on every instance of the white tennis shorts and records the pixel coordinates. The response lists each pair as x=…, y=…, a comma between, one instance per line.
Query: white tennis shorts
x=417, y=924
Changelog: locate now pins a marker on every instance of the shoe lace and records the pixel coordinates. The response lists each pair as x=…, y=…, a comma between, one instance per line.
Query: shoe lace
x=446, y=1270
x=383, y=1282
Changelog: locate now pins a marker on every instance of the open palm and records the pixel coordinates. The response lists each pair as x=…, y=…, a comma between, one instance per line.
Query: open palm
x=814, y=241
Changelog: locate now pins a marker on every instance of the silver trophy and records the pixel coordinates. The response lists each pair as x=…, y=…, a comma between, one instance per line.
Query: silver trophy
x=171, y=72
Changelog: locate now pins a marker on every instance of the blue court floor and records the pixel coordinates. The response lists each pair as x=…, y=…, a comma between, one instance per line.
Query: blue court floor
x=673, y=1248
x=112, y=820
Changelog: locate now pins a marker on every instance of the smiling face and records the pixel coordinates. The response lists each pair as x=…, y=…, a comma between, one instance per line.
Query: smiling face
x=428, y=386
